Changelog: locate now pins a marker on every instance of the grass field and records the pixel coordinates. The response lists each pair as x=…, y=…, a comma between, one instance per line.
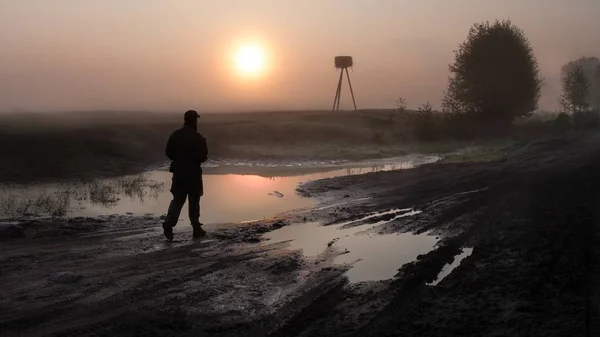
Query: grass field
x=85, y=145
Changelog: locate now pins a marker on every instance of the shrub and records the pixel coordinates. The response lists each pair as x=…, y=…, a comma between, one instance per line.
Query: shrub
x=562, y=123
x=586, y=119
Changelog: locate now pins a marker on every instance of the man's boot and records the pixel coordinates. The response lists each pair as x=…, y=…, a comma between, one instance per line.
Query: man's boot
x=168, y=230
x=198, y=231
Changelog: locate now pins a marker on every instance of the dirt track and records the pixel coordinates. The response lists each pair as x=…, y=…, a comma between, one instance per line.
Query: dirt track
x=533, y=221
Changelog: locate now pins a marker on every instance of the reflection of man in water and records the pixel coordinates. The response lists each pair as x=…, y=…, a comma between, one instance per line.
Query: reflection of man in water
x=187, y=150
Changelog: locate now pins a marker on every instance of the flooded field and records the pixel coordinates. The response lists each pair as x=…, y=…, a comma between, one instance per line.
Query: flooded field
x=241, y=198
x=227, y=197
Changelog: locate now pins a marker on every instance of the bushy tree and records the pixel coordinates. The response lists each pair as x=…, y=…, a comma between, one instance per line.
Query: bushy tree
x=576, y=98
x=575, y=90
x=591, y=67
x=495, y=75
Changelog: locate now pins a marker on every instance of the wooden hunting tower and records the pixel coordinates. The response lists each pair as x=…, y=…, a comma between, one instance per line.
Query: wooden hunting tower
x=343, y=63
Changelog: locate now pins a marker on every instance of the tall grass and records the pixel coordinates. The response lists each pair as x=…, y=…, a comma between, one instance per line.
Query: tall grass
x=35, y=203
x=56, y=201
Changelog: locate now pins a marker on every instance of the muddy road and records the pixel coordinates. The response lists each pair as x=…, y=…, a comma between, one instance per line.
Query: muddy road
x=530, y=223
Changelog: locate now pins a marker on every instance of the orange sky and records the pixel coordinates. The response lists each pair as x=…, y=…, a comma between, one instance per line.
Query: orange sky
x=175, y=55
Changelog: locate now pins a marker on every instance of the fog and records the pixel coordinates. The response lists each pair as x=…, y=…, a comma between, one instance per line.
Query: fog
x=157, y=55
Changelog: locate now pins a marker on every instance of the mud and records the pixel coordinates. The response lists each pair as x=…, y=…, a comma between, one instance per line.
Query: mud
x=532, y=222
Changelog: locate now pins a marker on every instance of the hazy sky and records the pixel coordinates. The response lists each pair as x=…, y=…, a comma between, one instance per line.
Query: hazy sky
x=175, y=54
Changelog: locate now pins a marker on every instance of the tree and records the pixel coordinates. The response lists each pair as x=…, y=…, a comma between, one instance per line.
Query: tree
x=400, y=108
x=495, y=75
x=426, y=108
x=576, y=90
x=576, y=98
x=401, y=104
x=591, y=67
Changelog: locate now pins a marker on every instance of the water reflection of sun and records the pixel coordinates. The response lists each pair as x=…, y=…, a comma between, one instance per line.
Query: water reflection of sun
x=251, y=181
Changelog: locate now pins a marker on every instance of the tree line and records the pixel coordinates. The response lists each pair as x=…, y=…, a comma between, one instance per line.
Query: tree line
x=495, y=79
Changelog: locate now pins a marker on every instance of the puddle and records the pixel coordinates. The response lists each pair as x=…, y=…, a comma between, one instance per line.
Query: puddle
x=373, y=256
x=400, y=213
x=448, y=268
x=227, y=197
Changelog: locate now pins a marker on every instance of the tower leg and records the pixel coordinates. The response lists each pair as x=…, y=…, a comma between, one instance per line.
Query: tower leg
x=351, y=91
x=340, y=95
x=338, y=92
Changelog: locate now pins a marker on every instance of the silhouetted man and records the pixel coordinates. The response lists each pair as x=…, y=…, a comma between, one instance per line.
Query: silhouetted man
x=187, y=150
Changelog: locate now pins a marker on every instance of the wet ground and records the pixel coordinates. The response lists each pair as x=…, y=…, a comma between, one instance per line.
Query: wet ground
x=508, y=248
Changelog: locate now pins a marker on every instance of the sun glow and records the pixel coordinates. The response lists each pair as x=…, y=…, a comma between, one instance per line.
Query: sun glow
x=250, y=59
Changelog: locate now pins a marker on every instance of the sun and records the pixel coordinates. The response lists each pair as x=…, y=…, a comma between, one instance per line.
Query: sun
x=250, y=59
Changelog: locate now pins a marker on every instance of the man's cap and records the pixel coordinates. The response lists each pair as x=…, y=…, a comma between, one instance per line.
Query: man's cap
x=191, y=116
